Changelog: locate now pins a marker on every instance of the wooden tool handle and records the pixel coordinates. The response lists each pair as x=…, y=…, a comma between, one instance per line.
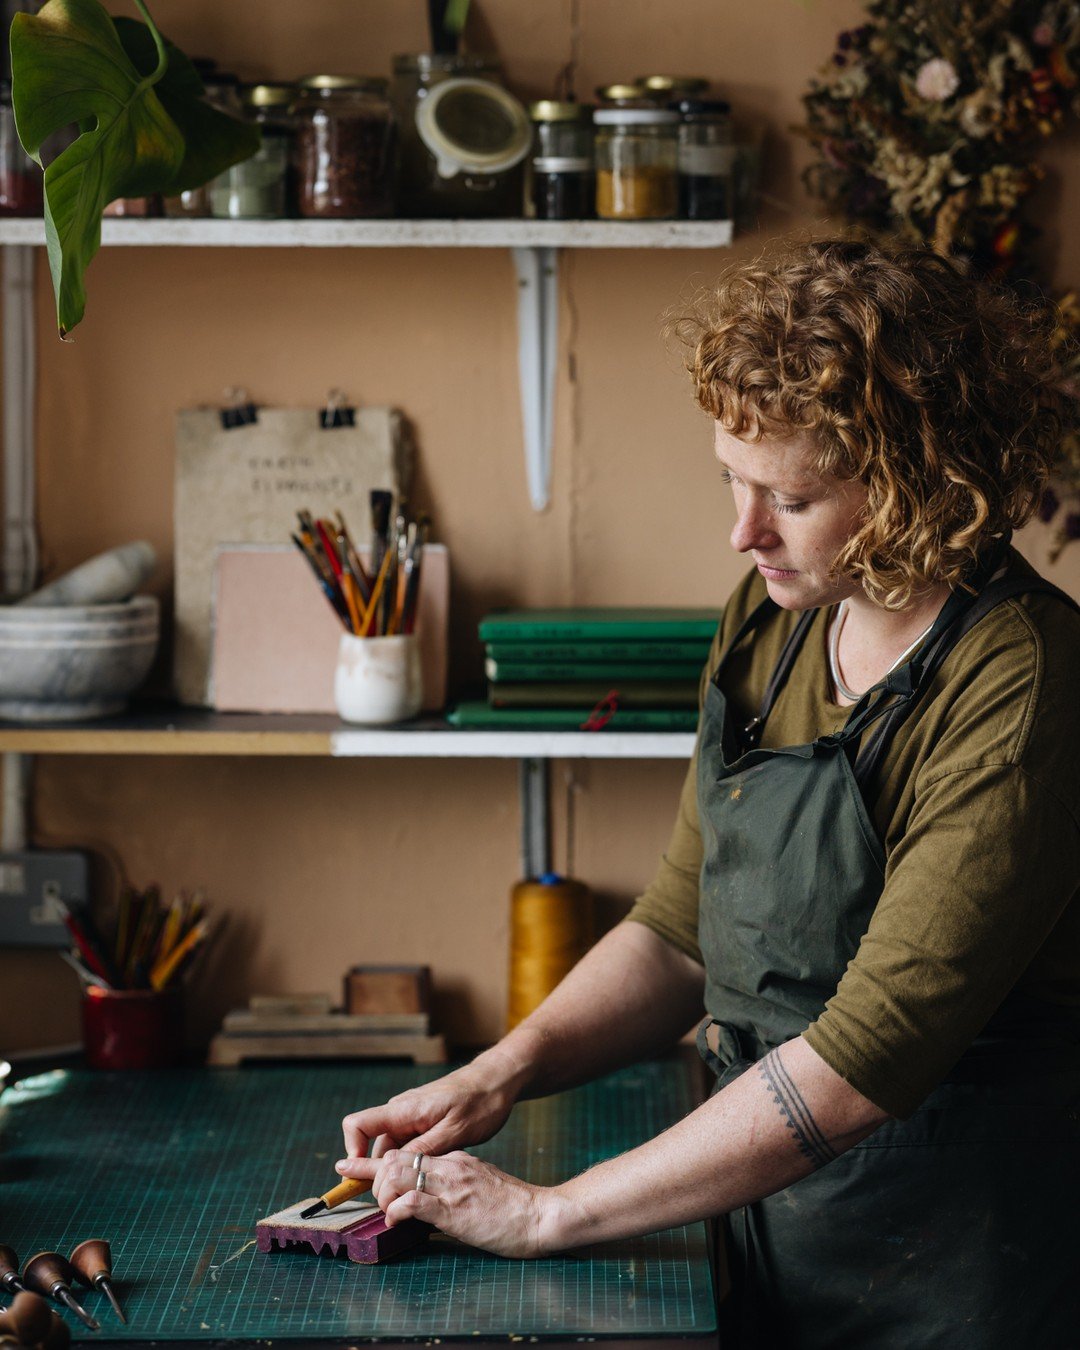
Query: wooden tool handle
x=344, y=1190
x=91, y=1259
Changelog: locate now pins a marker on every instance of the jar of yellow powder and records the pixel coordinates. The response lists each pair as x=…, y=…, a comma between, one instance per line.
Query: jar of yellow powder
x=636, y=163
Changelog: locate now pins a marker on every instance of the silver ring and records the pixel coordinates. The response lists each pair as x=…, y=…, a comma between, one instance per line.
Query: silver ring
x=421, y=1180
x=417, y=1161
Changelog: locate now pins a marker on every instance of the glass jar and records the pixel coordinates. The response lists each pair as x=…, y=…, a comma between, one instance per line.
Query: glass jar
x=706, y=160
x=261, y=187
x=636, y=157
x=464, y=138
x=563, y=169
x=222, y=90
x=344, y=147
x=21, y=180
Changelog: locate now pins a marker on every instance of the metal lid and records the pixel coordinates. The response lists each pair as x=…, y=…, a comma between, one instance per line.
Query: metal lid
x=702, y=107
x=621, y=93
x=673, y=85
x=549, y=110
x=326, y=83
x=268, y=95
x=635, y=117
x=473, y=126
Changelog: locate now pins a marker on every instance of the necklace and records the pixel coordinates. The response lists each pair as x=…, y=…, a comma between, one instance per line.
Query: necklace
x=834, y=652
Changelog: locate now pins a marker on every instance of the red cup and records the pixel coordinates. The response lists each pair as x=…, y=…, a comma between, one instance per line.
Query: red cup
x=132, y=1028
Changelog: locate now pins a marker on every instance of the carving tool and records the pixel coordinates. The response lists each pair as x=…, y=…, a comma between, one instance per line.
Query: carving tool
x=9, y=1271
x=92, y=1263
x=29, y=1317
x=50, y=1275
x=344, y=1190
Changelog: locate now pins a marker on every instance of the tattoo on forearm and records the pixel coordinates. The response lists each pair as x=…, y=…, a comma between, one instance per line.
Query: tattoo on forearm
x=811, y=1142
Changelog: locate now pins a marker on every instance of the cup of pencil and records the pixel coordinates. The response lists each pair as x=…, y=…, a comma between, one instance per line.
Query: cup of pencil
x=132, y=978
x=378, y=677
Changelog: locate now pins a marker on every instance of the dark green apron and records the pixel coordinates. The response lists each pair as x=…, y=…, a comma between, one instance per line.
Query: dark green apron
x=956, y=1227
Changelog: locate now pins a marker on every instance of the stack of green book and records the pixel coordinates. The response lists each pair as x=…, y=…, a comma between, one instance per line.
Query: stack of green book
x=563, y=668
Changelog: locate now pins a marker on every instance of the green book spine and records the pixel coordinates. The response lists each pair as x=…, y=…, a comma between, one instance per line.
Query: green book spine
x=527, y=625
x=504, y=671
x=480, y=716
x=595, y=651
x=577, y=694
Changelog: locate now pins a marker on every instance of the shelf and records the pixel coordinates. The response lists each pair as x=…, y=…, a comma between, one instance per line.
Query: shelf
x=396, y=233
x=187, y=731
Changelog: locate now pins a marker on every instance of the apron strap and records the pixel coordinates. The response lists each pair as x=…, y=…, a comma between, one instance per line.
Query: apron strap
x=890, y=716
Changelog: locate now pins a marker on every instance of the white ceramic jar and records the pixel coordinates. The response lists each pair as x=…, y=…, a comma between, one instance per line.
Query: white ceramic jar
x=377, y=679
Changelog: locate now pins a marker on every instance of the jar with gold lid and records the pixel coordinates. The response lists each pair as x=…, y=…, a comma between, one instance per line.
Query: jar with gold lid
x=344, y=147
x=636, y=163
x=625, y=95
x=665, y=89
x=563, y=177
x=261, y=187
x=222, y=91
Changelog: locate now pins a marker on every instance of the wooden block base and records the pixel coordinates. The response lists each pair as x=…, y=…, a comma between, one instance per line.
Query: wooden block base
x=227, y=1049
x=359, y=1231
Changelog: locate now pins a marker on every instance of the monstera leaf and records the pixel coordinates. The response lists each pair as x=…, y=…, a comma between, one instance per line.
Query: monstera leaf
x=144, y=126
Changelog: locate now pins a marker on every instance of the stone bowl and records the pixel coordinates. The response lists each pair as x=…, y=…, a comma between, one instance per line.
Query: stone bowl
x=73, y=662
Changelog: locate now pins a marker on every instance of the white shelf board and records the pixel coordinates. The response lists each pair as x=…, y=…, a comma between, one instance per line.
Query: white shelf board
x=513, y=744
x=395, y=233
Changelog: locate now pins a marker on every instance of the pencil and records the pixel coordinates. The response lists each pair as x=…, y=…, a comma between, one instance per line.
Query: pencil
x=163, y=970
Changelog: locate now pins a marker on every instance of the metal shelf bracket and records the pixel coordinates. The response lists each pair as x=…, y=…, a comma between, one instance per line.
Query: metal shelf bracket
x=537, y=268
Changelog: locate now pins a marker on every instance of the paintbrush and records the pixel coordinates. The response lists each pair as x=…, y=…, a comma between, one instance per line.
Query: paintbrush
x=413, y=560
x=334, y=598
x=380, y=524
x=349, y=587
x=360, y=576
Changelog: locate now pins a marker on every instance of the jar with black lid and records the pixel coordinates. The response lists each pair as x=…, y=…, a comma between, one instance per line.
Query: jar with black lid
x=706, y=160
x=344, y=147
x=636, y=155
x=563, y=178
x=262, y=187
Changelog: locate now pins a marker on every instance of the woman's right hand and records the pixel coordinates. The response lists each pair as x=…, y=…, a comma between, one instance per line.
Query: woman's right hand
x=466, y=1107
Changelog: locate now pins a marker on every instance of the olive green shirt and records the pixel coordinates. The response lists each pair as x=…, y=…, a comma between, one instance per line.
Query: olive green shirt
x=977, y=804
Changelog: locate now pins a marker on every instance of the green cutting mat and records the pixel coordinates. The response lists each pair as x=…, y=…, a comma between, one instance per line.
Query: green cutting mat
x=175, y=1169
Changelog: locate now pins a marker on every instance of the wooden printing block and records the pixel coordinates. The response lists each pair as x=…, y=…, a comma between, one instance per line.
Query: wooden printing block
x=388, y=989
x=358, y=1230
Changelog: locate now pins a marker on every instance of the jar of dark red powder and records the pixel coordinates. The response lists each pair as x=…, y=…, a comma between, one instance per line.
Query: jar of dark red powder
x=344, y=147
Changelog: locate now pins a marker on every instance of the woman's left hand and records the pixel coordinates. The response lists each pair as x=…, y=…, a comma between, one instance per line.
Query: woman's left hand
x=463, y=1197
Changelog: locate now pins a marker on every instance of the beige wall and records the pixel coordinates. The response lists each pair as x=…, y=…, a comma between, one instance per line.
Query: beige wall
x=320, y=864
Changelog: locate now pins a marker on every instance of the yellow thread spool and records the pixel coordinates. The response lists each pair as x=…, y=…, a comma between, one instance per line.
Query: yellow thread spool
x=551, y=928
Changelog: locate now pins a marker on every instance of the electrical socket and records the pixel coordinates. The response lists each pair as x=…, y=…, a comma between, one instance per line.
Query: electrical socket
x=31, y=886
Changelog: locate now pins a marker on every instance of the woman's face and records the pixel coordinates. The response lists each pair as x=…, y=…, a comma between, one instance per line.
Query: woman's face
x=791, y=520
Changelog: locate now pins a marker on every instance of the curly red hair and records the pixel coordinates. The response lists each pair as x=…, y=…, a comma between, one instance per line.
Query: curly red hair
x=933, y=388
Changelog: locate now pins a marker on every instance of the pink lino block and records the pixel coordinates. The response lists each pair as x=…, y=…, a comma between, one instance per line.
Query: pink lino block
x=360, y=1231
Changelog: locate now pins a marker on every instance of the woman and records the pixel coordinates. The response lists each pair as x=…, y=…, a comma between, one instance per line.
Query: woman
x=872, y=879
